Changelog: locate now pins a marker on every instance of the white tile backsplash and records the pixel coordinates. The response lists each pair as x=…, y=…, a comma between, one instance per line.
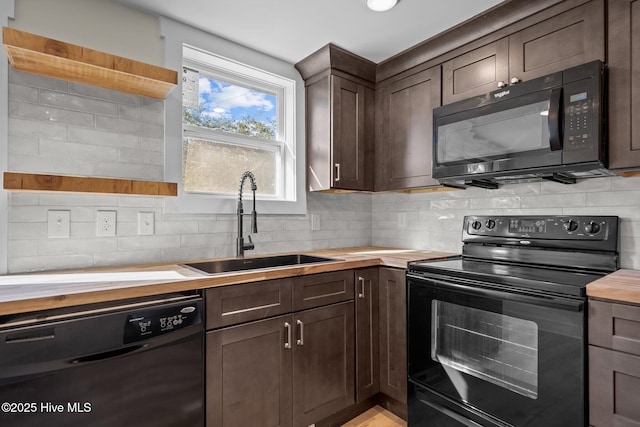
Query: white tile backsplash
x=70, y=128
x=439, y=227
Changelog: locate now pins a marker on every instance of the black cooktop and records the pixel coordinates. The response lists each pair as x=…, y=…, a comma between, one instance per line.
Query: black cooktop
x=544, y=279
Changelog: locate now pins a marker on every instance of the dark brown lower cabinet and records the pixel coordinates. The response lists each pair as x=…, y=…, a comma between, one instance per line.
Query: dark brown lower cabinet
x=323, y=362
x=290, y=370
x=367, y=333
x=393, y=333
x=614, y=364
x=614, y=379
x=249, y=375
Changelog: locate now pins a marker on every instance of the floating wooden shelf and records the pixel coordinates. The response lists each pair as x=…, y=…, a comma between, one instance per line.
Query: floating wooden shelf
x=52, y=58
x=17, y=181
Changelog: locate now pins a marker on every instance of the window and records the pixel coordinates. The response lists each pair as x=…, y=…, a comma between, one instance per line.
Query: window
x=235, y=118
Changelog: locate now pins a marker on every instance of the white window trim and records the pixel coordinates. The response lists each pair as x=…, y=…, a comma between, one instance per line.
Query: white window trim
x=175, y=36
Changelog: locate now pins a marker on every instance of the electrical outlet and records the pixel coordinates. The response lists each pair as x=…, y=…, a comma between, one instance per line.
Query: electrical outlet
x=58, y=223
x=106, y=223
x=145, y=223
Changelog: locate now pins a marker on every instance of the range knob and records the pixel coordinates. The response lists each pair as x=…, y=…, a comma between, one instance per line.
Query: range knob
x=571, y=225
x=476, y=225
x=490, y=224
x=592, y=228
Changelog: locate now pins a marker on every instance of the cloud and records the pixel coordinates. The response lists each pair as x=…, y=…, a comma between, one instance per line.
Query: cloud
x=219, y=95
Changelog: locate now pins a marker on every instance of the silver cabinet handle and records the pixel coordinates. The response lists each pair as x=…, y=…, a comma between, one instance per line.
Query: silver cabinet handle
x=337, y=172
x=501, y=84
x=287, y=326
x=301, y=340
x=361, y=293
x=515, y=80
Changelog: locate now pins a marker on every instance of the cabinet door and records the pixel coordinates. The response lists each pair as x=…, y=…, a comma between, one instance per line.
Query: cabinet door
x=393, y=333
x=323, y=367
x=614, y=381
x=249, y=374
x=476, y=72
x=571, y=38
x=367, y=334
x=352, y=135
x=624, y=87
x=405, y=148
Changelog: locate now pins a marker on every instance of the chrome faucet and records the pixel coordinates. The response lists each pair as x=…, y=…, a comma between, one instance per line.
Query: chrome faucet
x=240, y=245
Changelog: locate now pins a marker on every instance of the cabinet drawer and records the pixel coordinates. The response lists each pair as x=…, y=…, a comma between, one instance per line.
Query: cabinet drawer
x=321, y=289
x=229, y=305
x=615, y=326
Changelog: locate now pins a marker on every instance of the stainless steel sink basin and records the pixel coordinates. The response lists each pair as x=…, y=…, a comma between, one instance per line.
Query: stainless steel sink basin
x=244, y=264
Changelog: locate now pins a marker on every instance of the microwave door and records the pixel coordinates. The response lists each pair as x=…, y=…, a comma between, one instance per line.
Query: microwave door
x=517, y=133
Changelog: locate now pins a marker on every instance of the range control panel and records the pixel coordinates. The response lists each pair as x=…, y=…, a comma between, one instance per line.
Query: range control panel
x=535, y=230
x=146, y=324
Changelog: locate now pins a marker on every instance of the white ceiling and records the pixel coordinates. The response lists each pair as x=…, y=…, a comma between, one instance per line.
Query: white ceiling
x=293, y=29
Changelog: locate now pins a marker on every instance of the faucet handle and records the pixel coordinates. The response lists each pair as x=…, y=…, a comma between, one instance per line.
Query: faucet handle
x=249, y=246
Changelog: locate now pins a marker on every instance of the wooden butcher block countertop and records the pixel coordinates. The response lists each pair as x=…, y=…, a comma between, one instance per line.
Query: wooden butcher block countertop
x=40, y=291
x=622, y=286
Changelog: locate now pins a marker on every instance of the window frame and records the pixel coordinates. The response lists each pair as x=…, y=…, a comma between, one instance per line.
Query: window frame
x=224, y=69
x=293, y=200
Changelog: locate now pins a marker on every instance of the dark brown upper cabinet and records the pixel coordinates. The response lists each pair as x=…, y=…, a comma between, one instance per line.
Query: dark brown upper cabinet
x=571, y=38
x=624, y=89
x=476, y=72
x=404, y=130
x=339, y=119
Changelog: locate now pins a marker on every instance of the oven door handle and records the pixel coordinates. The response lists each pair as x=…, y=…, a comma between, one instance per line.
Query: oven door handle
x=542, y=300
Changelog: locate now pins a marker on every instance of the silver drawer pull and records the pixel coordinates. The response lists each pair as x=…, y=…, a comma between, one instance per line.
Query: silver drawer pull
x=337, y=172
x=301, y=340
x=361, y=281
x=287, y=326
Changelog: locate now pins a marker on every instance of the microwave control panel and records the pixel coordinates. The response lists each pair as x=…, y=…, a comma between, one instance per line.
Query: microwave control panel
x=578, y=120
x=582, y=127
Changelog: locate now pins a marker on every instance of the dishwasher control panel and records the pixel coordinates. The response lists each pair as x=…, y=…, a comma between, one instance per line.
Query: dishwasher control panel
x=145, y=324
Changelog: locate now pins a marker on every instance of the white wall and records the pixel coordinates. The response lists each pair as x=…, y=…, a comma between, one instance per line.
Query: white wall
x=97, y=24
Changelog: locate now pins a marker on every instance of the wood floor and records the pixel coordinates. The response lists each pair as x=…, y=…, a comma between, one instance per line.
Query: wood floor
x=376, y=417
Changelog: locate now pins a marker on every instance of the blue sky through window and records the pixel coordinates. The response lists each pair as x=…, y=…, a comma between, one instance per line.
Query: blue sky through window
x=226, y=101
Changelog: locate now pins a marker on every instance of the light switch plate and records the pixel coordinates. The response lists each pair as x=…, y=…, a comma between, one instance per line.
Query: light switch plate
x=106, y=223
x=402, y=220
x=315, y=222
x=145, y=224
x=58, y=223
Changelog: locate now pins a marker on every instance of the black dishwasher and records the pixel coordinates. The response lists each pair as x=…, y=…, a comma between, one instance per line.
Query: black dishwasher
x=137, y=363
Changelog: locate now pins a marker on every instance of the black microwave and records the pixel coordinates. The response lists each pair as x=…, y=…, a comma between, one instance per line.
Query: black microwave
x=552, y=127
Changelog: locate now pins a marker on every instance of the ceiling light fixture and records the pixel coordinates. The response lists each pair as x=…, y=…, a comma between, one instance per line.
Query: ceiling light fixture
x=381, y=5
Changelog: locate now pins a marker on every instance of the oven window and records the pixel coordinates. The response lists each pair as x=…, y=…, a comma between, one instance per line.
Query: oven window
x=500, y=349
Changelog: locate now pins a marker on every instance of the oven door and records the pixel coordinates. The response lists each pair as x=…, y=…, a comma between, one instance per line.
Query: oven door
x=519, y=358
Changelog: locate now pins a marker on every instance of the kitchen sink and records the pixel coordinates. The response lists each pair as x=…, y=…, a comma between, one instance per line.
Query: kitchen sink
x=244, y=264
